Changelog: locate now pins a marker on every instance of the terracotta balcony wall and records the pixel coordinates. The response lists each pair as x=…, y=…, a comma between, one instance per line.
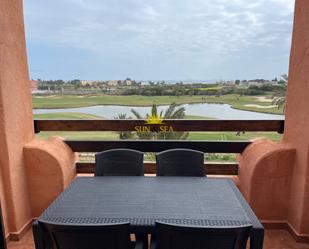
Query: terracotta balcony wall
x=287, y=162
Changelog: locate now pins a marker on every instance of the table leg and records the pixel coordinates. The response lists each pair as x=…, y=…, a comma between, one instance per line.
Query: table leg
x=144, y=238
x=257, y=239
x=37, y=235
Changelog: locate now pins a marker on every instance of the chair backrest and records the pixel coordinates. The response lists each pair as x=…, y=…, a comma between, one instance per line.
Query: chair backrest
x=180, y=162
x=182, y=237
x=2, y=234
x=110, y=236
x=119, y=162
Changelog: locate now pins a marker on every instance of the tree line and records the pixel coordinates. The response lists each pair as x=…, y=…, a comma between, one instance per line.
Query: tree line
x=160, y=89
x=184, y=90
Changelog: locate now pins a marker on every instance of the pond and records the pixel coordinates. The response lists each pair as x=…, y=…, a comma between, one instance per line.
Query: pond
x=216, y=111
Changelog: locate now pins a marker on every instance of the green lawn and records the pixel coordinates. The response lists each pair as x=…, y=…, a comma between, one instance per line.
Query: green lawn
x=67, y=101
x=196, y=117
x=228, y=136
x=215, y=136
x=80, y=135
x=66, y=115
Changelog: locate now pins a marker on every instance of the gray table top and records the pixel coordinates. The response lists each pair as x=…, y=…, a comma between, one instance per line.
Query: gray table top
x=141, y=201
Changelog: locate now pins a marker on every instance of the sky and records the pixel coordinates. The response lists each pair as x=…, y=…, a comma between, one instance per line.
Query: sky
x=158, y=39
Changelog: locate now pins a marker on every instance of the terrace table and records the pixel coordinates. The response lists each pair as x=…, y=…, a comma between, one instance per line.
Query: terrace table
x=197, y=201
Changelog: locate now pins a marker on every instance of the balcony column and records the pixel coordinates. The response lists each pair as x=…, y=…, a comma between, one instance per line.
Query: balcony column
x=32, y=173
x=274, y=177
x=297, y=119
x=16, y=125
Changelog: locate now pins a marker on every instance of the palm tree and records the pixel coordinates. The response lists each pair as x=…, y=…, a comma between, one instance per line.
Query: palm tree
x=279, y=100
x=124, y=134
x=172, y=112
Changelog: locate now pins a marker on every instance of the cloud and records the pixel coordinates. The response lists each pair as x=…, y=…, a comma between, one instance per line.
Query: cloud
x=175, y=32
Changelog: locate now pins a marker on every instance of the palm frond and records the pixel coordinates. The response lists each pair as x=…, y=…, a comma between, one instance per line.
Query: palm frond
x=122, y=116
x=168, y=113
x=172, y=112
x=136, y=114
x=179, y=113
x=279, y=102
x=124, y=134
x=154, y=110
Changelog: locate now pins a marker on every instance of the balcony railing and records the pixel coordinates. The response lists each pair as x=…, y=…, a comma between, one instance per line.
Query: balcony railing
x=160, y=145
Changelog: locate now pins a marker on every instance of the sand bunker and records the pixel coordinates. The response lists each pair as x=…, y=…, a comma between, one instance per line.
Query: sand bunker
x=264, y=99
x=261, y=106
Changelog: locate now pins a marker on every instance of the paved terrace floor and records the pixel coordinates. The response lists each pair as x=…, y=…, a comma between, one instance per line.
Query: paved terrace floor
x=274, y=239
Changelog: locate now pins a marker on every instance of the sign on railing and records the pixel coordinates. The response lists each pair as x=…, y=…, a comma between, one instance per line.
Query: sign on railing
x=176, y=125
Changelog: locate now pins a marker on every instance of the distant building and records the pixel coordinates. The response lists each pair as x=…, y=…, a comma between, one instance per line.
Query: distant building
x=275, y=83
x=226, y=82
x=229, y=83
x=258, y=82
x=112, y=83
x=243, y=83
x=89, y=82
x=254, y=83
x=127, y=82
x=145, y=83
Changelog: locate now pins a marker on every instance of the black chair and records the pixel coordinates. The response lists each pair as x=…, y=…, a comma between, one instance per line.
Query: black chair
x=109, y=236
x=170, y=236
x=180, y=162
x=2, y=235
x=119, y=162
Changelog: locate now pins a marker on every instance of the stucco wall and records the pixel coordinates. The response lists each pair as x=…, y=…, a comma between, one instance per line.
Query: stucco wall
x=297, y=118
x=284, y=166
x=16, y=126
x=20, y=173
x=50, y=169
x=265, y=170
